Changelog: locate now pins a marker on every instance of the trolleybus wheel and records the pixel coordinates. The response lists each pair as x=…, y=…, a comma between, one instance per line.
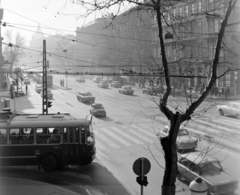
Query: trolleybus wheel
x=49, y=162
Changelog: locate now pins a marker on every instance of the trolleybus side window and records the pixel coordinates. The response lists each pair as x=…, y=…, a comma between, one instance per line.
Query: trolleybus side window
x=55, y=135
x=26, y=135
x=71, y=135
x=42, y=135
x=3, y=136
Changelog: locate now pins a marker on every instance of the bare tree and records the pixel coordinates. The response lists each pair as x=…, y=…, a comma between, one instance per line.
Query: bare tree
x=14, y=50
x=159, y=8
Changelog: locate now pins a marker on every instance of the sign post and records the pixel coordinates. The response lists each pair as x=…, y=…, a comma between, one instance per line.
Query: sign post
x=141, y=167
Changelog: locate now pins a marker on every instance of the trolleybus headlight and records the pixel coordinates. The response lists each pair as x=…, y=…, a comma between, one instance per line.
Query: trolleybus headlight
x=89, y=139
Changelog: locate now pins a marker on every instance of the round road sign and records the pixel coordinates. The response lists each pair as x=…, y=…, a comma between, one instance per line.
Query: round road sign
x=141, y=166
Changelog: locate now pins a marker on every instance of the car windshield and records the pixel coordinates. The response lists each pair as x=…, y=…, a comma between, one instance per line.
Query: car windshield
x=182, y=132
x=98, y=106
x=210, y=168
x=86, y=94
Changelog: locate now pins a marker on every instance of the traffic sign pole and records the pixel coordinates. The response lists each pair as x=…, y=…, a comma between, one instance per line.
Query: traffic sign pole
x=142, y=175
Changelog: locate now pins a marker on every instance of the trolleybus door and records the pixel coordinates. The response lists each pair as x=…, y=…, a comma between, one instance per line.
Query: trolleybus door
x=71, y=145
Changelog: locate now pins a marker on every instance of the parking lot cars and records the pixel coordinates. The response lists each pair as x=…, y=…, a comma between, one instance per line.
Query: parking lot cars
x=116, y=84
x=103, y=85
x=184, y=140
x=153, y=90
x=98, y=110
x=107, y=79
x=38, y=88
x=97, y=79
x=209, y=169
x=80, y=80
x=49, y=94
x=231, y=109
x=85, y=97
x=126, y=90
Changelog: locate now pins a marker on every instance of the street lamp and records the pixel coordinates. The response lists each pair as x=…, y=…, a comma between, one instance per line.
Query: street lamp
x=235, y=79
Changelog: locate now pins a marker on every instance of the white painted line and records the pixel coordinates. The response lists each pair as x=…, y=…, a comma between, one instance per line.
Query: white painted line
x=127, y=135
x=100, y=146
x=102, y=154
x=106, y=140
x=116, y=137
x=137, y=134
x=144, y=131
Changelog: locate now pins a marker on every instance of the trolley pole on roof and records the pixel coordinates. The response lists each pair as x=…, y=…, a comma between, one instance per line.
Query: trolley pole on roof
x=44, y=81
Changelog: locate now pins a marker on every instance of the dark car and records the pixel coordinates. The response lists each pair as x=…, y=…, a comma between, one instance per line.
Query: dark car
x=126, y=90
x=103, y=85
x=85, y=97
x=38, y=88
x=80, y=80
x=97, y=79
x=209, y=169
x=98, y=110
x=49, y=94
x=116, y=84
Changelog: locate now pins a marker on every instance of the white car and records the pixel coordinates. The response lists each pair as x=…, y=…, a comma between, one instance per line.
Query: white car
x=232, y=109
x=184, y=140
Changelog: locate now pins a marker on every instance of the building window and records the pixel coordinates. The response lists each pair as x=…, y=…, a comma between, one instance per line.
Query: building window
x=174, y=12
x=216, y=25
x=180, y=11
x=186, y=10
x=210, y=4
x=199, y=6
x=193, y=8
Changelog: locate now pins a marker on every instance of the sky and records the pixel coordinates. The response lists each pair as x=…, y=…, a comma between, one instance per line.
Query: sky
x=54, y=16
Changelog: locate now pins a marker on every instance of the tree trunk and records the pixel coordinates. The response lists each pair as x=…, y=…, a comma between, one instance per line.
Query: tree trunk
x=170, y=151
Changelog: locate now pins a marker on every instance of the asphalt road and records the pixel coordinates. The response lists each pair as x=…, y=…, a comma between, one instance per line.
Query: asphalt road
x=127, y=133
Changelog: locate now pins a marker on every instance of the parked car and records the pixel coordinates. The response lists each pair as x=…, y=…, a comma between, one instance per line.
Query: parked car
x=103, y=85
x=80, y=80
x=49, y=94
x=209, y=169
x=107, y=80
x=26, y=81
x=38, y=88
x=231, y=109
x=184, y=140
x=126, y=90
x=153, y=90
x=98, y=110
x=85, y=97
x=116, y=84
x=97, y=79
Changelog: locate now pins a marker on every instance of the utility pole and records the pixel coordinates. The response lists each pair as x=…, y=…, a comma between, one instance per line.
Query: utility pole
x=1, y=57
x=44, y=81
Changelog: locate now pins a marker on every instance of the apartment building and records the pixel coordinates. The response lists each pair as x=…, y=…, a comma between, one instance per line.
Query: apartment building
x=194, y=26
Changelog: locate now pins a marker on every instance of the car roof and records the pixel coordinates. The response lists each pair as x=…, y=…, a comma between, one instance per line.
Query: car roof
x=96, y=104
x=198, y=157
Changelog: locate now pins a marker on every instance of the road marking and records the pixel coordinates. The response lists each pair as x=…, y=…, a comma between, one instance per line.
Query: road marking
x=106, y=140
x=137, y=134
x=100, y=146
x=116, y=137
x=81, y=176
x=127, y=135
x=144, y=131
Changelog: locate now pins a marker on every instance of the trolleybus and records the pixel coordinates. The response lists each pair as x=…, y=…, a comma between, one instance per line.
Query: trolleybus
x=46, y=140
x=38, y=78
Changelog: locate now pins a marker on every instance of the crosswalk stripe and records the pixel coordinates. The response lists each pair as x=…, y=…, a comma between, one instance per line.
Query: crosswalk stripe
x=231, y=122
x=127, y=135
x=116, y=137
x=143, y=131
x=106, y=140
x=137, y=134
x=100, y=146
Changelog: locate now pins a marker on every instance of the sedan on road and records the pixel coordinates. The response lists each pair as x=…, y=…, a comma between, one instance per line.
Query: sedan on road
x=80, y=80
x=98, y=110
x=232, y=109
x=116, y=84
x=85, y=97
x=126, y=90
x=38, y=88
x=49, y=94
x=97, y=79
x=197, y=165
x=184, y=140
x=103, y=85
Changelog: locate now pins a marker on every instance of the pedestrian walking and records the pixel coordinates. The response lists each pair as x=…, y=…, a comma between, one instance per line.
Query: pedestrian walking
x=60, y=82
x=63, y=83
x=26, y=89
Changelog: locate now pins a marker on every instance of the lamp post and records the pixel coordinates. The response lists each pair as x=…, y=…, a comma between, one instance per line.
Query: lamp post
x=235, y=79
x=198, y=187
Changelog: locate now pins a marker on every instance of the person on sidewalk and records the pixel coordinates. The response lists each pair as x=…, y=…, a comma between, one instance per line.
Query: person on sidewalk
x=26, y=89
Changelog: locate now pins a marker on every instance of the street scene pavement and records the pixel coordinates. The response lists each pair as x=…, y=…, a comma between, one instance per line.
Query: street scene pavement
x=123, y=128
